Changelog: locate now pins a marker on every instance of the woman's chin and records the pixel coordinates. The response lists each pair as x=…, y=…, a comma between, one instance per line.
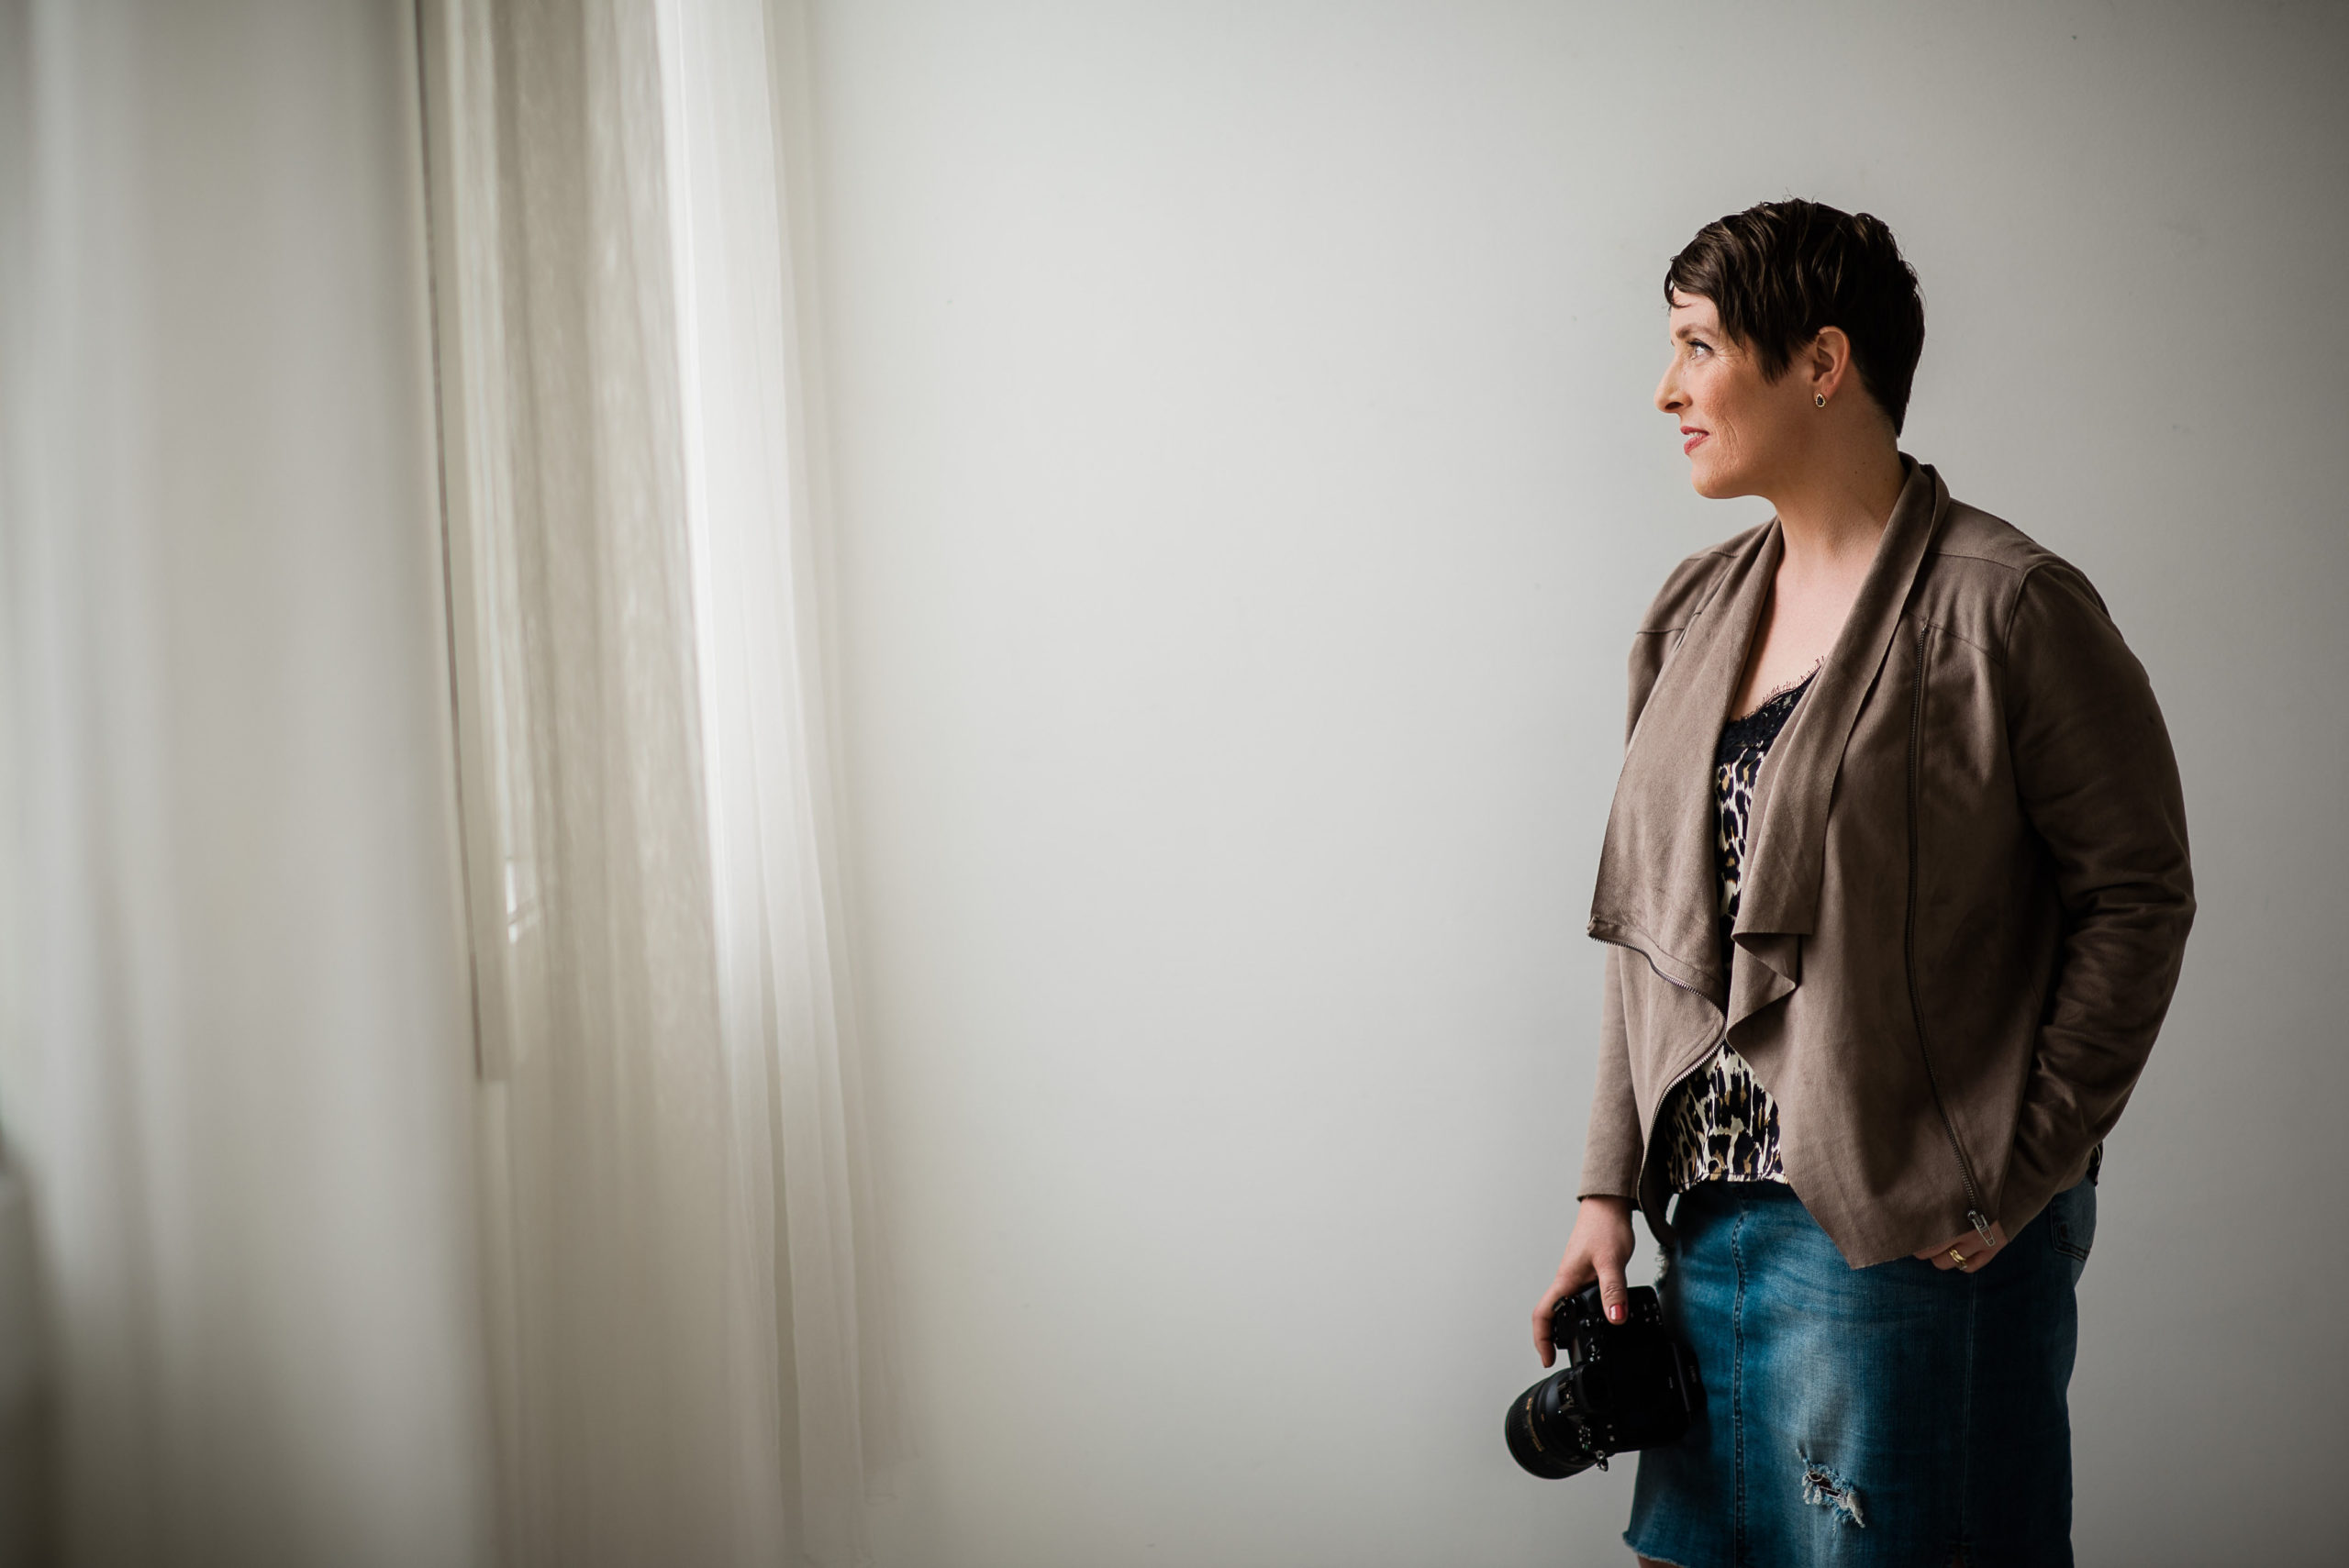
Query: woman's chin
x=1713, y=484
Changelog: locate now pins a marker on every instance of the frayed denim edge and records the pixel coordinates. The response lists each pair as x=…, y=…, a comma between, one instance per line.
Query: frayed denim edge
x=1824, y=1487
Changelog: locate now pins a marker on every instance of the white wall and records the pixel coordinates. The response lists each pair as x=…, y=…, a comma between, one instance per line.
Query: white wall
x=1248, y=487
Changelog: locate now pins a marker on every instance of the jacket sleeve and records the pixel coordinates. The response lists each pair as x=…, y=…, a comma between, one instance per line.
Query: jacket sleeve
x=2098, y=779
x=1612, y=1150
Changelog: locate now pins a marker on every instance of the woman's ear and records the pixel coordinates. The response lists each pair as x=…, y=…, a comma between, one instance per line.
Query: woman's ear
x=1829, y=360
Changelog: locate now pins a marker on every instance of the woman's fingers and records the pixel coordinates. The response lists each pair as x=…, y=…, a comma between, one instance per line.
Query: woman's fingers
x=1980, y=1257
x=1548, y=1304
x=1611, y=1289
x=1964, y=1250
x=1598, y=1250
x=1573, y=1275
x=1576, y=1269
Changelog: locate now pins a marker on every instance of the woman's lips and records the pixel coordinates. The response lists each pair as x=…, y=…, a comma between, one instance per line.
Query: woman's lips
x=1690, y=444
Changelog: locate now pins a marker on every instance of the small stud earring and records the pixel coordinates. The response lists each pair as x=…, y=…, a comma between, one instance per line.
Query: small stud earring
x=1820, y=398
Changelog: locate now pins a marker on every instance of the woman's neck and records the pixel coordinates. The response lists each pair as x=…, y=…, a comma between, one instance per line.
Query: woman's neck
x=1833, y=517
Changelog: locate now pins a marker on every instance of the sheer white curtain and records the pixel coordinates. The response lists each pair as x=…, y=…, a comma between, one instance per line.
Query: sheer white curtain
x=689, y=1317
x=234, y=1050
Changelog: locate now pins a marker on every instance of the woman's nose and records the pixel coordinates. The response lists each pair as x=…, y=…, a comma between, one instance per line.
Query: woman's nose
x=1668, y=396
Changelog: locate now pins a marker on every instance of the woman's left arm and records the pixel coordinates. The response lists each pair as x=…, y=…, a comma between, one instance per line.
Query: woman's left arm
x=2093, y=764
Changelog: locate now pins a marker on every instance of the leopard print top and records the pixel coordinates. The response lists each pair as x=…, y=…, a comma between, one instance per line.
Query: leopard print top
x=1723, y=1124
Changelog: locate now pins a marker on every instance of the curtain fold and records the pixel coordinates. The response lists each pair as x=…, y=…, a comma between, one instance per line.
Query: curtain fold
x=689, y=1324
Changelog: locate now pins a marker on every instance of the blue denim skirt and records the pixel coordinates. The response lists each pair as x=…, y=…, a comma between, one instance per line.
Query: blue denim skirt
x=1895, y=1415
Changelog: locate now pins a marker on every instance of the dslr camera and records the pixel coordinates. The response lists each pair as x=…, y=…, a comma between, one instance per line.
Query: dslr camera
x=1623, y=1387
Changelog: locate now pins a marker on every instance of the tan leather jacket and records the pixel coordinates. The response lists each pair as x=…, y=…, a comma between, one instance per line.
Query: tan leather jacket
x=1966, y=890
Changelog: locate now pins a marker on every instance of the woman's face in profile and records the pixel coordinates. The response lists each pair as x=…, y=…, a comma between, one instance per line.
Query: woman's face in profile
x=1733, y=423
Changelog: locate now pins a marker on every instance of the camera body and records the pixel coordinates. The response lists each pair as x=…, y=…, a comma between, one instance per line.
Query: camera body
x=1625, y=1386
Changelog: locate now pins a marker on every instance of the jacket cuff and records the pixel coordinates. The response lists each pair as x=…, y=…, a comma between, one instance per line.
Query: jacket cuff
x=2032, y=1183
x=1612, y=1156
x=1613, y=1152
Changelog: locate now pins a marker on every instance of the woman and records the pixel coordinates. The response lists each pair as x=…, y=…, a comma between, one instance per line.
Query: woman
x=1896, y=888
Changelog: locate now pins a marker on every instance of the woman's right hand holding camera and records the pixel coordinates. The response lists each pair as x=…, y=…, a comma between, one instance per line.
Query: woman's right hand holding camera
x=1599, y=1249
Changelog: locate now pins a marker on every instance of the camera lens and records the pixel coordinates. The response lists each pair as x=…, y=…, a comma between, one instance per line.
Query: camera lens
x=1545, y=1432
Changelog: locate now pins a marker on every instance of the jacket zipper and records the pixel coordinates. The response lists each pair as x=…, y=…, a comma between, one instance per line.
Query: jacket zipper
x=1976, y=1213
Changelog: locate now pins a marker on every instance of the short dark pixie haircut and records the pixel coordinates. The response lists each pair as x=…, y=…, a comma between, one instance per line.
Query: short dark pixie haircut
x=1780, y=272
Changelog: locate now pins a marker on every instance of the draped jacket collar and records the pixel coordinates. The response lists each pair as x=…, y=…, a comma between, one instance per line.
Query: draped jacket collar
x=1658, y=890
